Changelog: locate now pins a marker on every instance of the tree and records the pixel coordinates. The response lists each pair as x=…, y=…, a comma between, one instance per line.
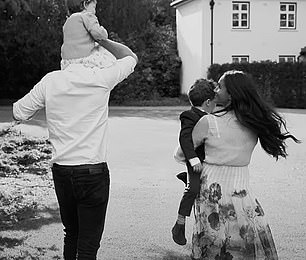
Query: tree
x=31, y=38
x=11, y=8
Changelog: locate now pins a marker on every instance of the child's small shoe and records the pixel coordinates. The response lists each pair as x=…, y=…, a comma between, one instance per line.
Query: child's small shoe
x=178, y=234
x=183, y=177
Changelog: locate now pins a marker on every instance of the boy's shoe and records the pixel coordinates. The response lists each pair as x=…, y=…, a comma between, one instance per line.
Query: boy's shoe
x=183, y=177
x=178, y=234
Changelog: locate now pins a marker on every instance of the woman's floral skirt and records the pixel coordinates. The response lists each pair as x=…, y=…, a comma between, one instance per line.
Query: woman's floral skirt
x=229, y=221
x=99, y=57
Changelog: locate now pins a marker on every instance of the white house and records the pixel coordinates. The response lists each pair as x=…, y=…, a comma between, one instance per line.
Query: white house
x=225, y=31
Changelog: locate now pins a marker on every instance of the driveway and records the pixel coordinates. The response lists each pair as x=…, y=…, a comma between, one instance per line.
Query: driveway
x=145, y=193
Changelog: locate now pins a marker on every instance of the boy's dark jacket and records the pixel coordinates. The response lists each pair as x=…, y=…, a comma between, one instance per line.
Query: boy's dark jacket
x=188, y=119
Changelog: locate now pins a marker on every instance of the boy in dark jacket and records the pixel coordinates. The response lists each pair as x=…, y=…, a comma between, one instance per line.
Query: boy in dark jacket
x=201, y=95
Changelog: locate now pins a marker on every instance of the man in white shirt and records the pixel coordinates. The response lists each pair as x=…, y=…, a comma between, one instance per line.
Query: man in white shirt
x=76, y=104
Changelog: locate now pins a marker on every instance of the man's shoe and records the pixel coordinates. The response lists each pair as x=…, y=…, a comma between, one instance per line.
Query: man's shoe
x=183, y=177
x=178, y=234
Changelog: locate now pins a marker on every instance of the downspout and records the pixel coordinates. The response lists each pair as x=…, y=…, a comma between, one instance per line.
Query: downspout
x=212, y=3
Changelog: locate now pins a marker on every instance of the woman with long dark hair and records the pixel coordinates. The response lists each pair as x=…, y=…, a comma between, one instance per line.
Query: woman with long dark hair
x=230, y=222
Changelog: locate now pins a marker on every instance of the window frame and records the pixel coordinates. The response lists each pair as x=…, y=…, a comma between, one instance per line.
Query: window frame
x=286, y=58
x=239, y=57
x=240, y=12
x=287, y=12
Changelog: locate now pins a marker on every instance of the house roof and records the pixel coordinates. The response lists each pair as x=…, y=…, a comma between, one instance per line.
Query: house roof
x=176, y=3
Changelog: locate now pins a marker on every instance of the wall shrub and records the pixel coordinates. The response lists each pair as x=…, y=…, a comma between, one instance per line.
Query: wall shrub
x=282, y=84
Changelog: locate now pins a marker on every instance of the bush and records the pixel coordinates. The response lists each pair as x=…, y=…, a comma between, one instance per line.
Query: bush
x=20, y=154
x=282, y=84
x=14, y=208
x=157, y=73
x=30, y=47
x=24, y=174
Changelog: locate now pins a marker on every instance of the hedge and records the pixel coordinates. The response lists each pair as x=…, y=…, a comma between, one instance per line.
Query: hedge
x=282, y=84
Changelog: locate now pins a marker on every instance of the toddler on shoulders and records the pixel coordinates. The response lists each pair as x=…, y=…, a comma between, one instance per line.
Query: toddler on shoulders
x=81, y=35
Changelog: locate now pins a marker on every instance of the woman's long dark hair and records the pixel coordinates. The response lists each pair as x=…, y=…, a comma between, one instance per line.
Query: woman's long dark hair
x=253, y=112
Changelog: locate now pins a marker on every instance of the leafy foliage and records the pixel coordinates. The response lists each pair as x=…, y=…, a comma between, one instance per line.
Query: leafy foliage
x=157, y=74
x=27, y=159
x=283, y=84
x=128, y=16
x=12, y=8
x=20, y=154
x=14, y=208
x=31, y=37
x=29, y=47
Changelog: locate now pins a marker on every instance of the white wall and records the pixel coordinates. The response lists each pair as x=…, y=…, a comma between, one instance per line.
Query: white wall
x=189, y=18
x=264, y=40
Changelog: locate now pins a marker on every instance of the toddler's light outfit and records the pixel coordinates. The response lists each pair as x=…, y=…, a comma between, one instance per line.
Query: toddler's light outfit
x=81, y=33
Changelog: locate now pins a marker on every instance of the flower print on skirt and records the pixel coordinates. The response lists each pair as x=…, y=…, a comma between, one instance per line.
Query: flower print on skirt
x=229, y=221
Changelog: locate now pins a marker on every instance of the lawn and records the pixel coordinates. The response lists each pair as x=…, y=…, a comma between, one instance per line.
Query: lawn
x=145, y=193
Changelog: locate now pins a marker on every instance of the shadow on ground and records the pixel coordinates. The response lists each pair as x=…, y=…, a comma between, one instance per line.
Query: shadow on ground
x=171, y=256
x=37, y=253
x=16, y=241
x=42, y=217
x=7, y=242
x=164, y=254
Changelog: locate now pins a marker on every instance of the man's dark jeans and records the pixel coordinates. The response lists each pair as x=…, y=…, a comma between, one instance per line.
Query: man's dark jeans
x=191, y=192
x=82, y=193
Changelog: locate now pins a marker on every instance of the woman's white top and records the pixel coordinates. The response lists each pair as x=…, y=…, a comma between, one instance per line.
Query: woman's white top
x=227, y=142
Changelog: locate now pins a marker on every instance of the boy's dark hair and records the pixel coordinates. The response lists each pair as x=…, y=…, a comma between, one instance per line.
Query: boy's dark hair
x=200, y=91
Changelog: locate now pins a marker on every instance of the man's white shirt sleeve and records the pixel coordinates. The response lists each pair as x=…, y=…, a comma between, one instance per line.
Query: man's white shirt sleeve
x=26, y=107
x=113, y=75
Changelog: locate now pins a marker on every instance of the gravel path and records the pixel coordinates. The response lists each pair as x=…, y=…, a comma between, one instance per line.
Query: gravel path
x=145, y=194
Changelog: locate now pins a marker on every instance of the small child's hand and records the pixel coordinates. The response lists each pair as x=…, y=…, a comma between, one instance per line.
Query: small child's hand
x=198, y=167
